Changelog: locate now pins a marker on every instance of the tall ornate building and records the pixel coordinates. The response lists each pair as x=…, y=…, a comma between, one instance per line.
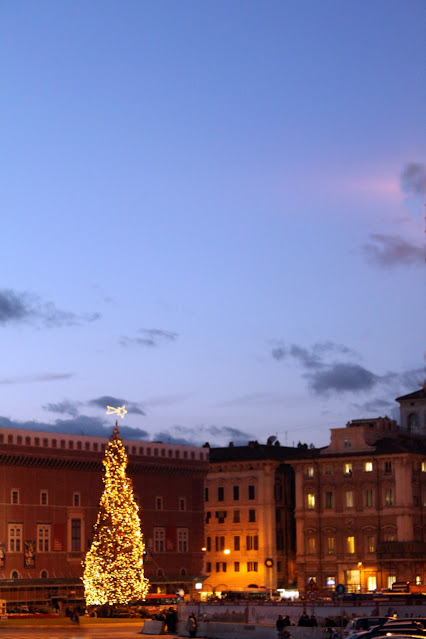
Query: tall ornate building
x=249, y=509
x=49, y=494
x=360, y=504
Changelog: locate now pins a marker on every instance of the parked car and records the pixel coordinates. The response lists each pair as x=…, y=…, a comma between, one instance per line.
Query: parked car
x=394, y=627
x=362, y=624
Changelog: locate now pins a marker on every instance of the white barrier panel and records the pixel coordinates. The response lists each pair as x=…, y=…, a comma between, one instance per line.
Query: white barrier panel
x=153, y=627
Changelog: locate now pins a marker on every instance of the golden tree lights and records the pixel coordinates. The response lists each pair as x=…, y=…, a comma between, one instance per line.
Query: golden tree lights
x=113, y=567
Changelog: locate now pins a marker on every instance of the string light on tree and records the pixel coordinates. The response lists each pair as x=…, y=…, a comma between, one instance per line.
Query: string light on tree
x=113, y=567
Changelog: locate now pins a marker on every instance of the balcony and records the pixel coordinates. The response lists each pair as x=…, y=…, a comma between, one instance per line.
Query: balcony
x=401, y=550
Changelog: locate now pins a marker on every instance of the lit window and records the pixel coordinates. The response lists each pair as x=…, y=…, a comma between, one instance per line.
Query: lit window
x=331, y=545
x=418, y=580
x=389, y=497
x=347, y=469
x=15, y=537
x=350, y=545
x=311, y=545
x=160, y=539
x=43, y=538
x=349, y=498
x=371, y=543
x=182, y=539
x=310, y=471
x=423, y=466
x=368, y=467
x=311, y=501
x=371, y=583
x=389, y=537
x=391, y=580
x=369, y=501
x=43, y=498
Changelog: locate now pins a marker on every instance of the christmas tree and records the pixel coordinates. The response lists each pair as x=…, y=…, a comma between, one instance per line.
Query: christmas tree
x=113, y=567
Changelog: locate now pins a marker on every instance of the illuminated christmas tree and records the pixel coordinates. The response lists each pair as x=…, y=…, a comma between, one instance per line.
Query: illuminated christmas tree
x=113, y=567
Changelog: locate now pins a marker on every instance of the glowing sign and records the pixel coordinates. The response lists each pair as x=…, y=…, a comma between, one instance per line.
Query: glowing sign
x=120, y=411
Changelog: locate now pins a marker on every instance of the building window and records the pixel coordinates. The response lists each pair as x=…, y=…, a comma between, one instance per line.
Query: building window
x=369, y=501
x=220, y=493
x=208, y=516
x=43, y=498
x=15, y=537
x=236, y=566
x=221, y=566
x=423, y=466
x=237, y=543
x=368, y=467
x=236, y=493
x=371, y=583
x=208, y=544
x=159, y=539
x=208, y=566
x=206, y=494
x=236, y=517
x=388, y=468
x=251, y=492
x=221, y=516
x=413, y=423
x=219, y=543
x=279, y=540
x=310, y=472
x=76, y=500
x=158, y=503
x=182, y=539
x=252, y=542
x=347, y=469
x=329, y=469
x=311, y=545
x=75, y=535
x=43, y=538
x=252, y=566
x=349, y=498
x=389, y=497
x=279, y=566
x=311, y=501
x=331, y=545
x=347, y=443
x=350, y=545
x=14, y=496
x=389, y=537
x=418, y=580
x=329, y=500
x=182, y=503
x=391, y=580
x=15, y=575
x=44, y=574
x=252, y=516
x=371, y=543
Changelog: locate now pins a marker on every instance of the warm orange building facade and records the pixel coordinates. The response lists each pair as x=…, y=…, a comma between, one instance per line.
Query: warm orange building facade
x=360, y=508
x=49, y=493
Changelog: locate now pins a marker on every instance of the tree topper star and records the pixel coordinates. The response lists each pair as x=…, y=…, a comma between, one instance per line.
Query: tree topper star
x=120, y=411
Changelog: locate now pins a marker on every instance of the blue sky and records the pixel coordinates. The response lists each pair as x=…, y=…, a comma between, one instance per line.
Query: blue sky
x=212, y=212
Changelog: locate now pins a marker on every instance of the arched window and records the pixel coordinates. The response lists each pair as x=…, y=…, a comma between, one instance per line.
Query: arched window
x=43, y=574
x=160, y=572
x=182, y=572
x=15, y=574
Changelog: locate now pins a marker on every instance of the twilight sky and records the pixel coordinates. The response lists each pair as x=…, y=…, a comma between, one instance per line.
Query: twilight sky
x=212, y=212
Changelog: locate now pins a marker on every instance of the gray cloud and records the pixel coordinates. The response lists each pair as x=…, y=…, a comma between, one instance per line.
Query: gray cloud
x=65, y=407
x=28, y=308
x=132, y=408
x=342, y=377
x=31, y=379
x=149, y=337
x=413, y=178
x=312, y=357
x=392, y=250
x=217, y=435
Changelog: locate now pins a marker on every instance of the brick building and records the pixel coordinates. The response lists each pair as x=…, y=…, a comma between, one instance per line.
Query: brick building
x=49, y=494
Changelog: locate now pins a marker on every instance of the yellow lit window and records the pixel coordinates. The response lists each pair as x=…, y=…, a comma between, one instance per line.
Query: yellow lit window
x=311, y=501
x=368, y=467
x=311, y=545
x=349, y=499
x=350, y=545
x=310, y=471
x=347, y=469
